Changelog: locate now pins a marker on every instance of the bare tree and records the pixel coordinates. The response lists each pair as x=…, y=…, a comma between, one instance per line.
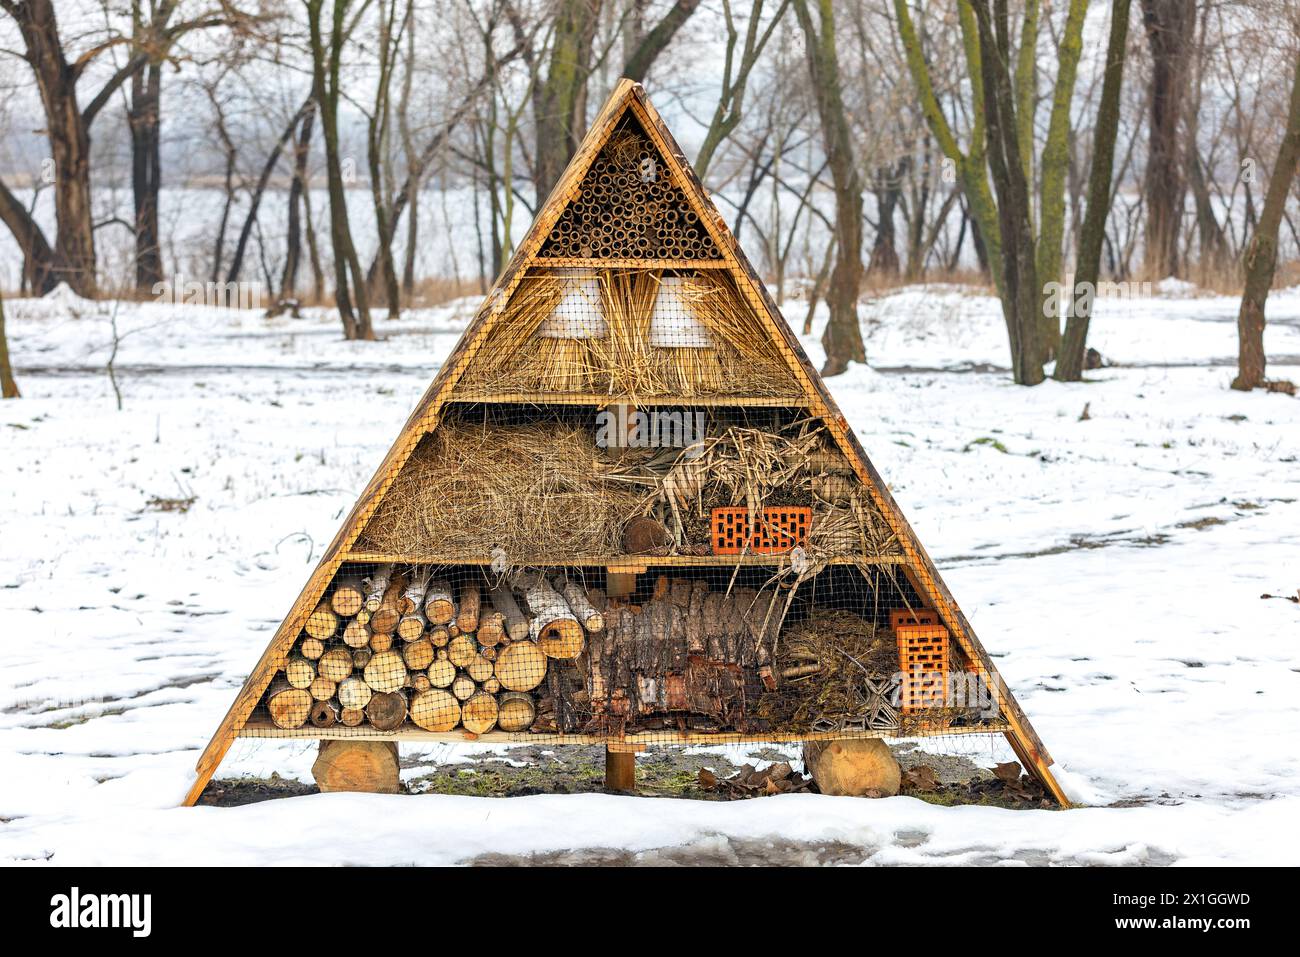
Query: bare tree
x=8, y=387
x=1169, y=27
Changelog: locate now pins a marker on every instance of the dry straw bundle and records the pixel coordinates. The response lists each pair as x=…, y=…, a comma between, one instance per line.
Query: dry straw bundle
x=732, y=352
x=531, y=489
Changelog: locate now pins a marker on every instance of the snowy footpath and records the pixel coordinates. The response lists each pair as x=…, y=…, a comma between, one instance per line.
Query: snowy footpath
x=1109, y=540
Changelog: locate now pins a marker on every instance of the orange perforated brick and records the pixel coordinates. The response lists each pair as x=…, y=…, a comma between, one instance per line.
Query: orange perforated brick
x=912, y=616
x=923, y=661
x=780, y=529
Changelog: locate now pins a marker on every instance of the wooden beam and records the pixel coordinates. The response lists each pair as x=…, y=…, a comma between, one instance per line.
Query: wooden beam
x=620, y=770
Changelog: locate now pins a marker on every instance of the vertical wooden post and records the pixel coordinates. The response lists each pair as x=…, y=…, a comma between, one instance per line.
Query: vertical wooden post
x=620, y=770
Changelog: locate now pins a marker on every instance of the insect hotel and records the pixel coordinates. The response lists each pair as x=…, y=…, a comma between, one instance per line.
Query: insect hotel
x=627, y=511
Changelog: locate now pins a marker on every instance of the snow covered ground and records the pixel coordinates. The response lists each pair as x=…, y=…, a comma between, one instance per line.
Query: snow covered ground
x=1113, y=564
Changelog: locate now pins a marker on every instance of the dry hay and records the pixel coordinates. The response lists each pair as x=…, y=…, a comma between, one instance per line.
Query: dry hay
x=821, y=664
x=755, y=468
x=530, y=489
x=741, y=361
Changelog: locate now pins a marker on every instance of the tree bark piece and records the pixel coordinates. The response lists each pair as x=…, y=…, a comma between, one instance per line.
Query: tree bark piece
x=369, y=766
x=479, y=713
x=435, y=710
x=287, y=706
x=349, y=597
x=439, y=607
x=470, y=601
x=521, y=666
x=386, y=710
x=516, y=623
x=515, y=711
x=386, y=671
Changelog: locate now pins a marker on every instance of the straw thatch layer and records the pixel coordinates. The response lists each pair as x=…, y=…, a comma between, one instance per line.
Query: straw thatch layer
x=741, y=360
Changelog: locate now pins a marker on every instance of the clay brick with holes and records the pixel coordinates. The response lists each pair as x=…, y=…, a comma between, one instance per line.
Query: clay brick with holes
x=912, y=616
x=780, y=528
x=923, y=660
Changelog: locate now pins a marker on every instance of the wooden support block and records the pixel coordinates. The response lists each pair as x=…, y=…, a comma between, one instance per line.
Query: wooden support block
x=620, y=770
x=343, y=765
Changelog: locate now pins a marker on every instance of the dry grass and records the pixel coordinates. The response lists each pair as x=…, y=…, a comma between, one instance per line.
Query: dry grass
x=531, y=489
x=742, y=361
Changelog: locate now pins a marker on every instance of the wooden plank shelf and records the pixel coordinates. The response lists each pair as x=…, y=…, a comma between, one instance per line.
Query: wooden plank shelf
x=617, y=561
x=408, y=732
x=472, y=396
x=567, y=262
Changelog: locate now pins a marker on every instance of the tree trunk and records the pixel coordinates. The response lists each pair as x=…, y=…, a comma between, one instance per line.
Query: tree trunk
x=1261, y=254
x=354, y=312
x=146, y=173
x=1021, y=296
x=8, y=387
x=73, y=259
x=884, y=253
x=297, y=191
x=843, y=336
x=255, y=201
x=558, y=101
x=1069, y=361
x=1169, y=27
x=38, y=257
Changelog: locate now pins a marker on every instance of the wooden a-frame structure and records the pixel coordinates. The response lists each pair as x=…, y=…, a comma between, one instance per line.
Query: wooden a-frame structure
x=627, y=98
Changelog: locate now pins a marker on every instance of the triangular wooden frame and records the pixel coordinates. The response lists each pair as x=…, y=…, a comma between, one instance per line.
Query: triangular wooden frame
x=925, y=578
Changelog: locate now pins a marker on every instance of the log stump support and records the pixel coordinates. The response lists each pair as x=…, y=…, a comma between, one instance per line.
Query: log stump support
x=368, y=766
x=620, y=766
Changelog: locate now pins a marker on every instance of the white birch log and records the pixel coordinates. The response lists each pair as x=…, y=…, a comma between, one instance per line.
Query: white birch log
x=376, y=585
x=354, y=693
x=554, y=626
x=439, y=607
x=583, y=609
x=516, y=622
x=413, y=598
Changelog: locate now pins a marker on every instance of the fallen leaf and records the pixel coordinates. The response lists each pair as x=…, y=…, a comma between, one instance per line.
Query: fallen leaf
x=1007, y=772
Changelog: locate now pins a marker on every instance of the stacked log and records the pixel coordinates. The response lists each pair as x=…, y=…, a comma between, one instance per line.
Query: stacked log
x=531, y=653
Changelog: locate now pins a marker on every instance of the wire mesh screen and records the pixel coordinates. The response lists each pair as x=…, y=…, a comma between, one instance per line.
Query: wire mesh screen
x=668, y=655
